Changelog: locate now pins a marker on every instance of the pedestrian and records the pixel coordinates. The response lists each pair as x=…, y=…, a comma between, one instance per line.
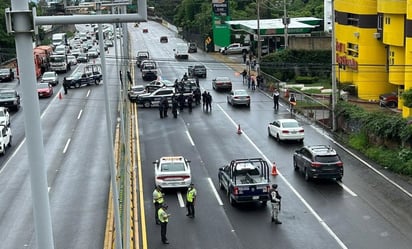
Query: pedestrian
x=185, y=77
x=244, y=75
x=182, y=101
x=204, y=97
x=276, y=99
x=165, y=106
x=244, y=57
x=253, y=81
x=275, y=201
x=157, y=201
x=197, y=82
x=249, y=80
x=65, y=85
x=191, y=195
x=208, y=102
x=197, y=96
x=175, y=105
x=164, y=219
x=161, y=111
x=292, y=102
x=190, y=102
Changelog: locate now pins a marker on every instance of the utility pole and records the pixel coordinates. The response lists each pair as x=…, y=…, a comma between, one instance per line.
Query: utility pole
x=286, y=22
x=334, y=85
x=259, y=53
x=22, y=23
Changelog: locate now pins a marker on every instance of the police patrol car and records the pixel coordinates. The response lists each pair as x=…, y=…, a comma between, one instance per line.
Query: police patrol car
x=172, y=172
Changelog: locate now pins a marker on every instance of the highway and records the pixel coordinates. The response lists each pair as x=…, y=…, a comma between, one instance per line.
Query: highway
x=369, y=209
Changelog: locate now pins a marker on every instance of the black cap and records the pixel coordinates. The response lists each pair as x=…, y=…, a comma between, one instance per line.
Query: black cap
x=274, y=186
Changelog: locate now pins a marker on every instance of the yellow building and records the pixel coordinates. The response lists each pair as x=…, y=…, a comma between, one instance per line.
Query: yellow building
x=374, y=46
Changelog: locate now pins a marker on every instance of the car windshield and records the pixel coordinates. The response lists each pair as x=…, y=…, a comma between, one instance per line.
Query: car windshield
x=4, y=71
x=57, y=59
x=2, y=114
x=137, y=88
x=172, y=167
x=240, y=93
x=42, y=85
x=222, y=79
x=290, y=124
x=327, y=159
x=6, y=95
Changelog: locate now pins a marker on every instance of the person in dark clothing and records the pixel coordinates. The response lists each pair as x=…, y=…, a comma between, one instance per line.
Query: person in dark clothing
x=65, y=85
x=181, y=101
x=244, y=57
x=165, y=107
x=244, y=75
x=161, y=111
x=275, y=201
x=185, y=77
x=208, y=102
x=204, y=97
x=276, y=99
x=197, y=96
x=175, y=105
x=190, y=102
x=176, y=85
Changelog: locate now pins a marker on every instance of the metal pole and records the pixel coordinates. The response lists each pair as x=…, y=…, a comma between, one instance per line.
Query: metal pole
x=334, y=86
x=259, y=54
x=286, y=24
x=22, y=26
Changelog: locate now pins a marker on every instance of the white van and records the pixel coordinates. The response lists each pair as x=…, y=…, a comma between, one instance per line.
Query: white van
x=181, y=51
x=59, y=39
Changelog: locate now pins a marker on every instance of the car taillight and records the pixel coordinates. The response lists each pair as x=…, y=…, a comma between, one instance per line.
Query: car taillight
x=302, y=130
x=315, y=164
x=235, y=190
x=285, y=132
x=339, y=164
x=236, y=97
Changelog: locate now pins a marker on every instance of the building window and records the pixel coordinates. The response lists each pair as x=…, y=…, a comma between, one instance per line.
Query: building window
x=387, y=20
x=380, y=22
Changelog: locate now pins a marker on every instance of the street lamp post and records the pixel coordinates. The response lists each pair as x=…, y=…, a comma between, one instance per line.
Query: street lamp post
x=259, y=52
x=286, y=23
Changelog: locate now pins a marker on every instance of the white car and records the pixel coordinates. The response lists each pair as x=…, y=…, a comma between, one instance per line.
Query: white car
x=172, y=172
x=4, y=116
x=286, y=129
x=72, y=60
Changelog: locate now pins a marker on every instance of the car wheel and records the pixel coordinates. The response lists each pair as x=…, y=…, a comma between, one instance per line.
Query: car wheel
x=231, y=200
x=9, y=144
x=4, y=151
x=295, y=165
x=307, y=176
x=269, y=134
x=339, y=179
x=392, y=104
x=77, y=85
x=277, y=137
x=221, y=184
x=147, y=104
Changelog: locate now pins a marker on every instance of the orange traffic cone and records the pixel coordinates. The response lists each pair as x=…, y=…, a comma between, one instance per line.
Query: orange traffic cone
x=274, y=170
x=60, y=95
x=239, y=131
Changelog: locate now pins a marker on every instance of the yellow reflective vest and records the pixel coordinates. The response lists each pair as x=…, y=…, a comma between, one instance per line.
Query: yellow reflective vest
x=191, y=194
x=162, y=215
x=157, y=197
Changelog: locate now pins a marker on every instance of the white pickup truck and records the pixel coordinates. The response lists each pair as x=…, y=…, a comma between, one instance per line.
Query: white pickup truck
x=5, y=138
x=235, y=48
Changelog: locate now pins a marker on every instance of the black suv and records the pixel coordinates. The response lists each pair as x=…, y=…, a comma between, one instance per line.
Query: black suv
x=10, y=98
x=318, y=161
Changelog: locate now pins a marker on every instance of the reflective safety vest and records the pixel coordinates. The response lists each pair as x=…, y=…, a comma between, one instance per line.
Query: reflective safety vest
x=162, y=215
x=191, y=194
x=157, y=197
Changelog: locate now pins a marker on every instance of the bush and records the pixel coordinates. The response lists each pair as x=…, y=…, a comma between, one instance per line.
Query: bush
x=306, y=79
x=407, y=98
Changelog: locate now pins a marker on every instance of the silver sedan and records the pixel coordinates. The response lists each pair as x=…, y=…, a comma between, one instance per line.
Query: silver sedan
x=238, y=97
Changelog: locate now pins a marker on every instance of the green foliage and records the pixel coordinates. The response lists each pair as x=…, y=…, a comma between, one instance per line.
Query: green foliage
x=407, y=98
x=358, y=141
x=306, y=79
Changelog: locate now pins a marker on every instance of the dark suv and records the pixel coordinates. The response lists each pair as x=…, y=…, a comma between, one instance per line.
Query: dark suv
x=318, y=161
x=10, y=98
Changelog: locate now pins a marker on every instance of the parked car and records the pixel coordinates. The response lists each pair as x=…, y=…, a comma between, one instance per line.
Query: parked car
x=10, y=98
x=141, y=56
x=172, y=172
x=286, y=129
x=239, y=97
x=318, y=161
x=156, y=84
x=93, y=53
x=50, y=77
x=222, y=83
x=4, y=116
x=388, y=100
x=6, y=74
x=75, y=52
x=192, y=47
x=135, y=91
x=72, y=60
x=82, y=58
x=164, y=39
x=44, y=90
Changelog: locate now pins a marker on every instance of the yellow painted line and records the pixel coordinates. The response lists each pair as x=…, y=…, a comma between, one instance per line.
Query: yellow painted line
x=140, y=182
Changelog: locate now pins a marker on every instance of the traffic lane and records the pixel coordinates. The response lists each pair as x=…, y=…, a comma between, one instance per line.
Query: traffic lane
x=169, y=137
x=219, y=147
x=328, y=189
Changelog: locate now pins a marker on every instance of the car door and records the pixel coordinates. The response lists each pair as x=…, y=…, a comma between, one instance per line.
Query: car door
x=299, y=157
x=274, y=128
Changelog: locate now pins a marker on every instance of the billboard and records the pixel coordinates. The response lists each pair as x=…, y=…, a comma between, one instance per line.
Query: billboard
x=220, y=7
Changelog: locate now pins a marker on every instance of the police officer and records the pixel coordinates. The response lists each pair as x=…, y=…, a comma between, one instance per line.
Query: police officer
x=275, y=201
x=208, y=102
x=164, y=219
x=182, y=100
x=65, y=85
x=190, y=102
x=161, y=108
x=276, y=99
x=190, y=201
x=165, y=106
x=157, y=201
x=175, y=105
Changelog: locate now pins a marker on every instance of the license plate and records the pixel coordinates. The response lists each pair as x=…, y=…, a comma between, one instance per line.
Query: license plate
x=255, y=197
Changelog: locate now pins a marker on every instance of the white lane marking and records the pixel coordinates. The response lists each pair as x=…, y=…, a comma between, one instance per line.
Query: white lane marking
x=180, y=199
x=320, y=131
x=80, y=114
x=190, y=138
x=300, y=197
x=215, y=191
x=66, y=146
x=347, y=189
x=88, y=93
